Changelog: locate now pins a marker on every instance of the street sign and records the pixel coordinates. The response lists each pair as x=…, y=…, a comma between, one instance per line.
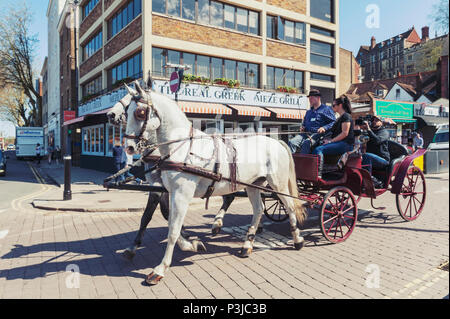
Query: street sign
x=174, y=82
x=69, y=115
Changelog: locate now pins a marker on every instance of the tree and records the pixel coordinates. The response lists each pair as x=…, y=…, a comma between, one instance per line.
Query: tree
x=13, y=106
x=17, y=49
x=439, y=16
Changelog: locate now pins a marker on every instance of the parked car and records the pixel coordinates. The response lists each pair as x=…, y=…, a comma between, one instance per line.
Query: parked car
x=11, y=147
x=440, y=140
x=2, y=163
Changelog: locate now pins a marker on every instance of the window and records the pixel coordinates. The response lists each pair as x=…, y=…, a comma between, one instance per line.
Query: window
x=88, y=7
x=322, y=77
x=322, y=54
x=216, y=68
x=128, y=69
x=322, y=31
x=283, y=77
x=114, y=134
x=203, y=66
x=397, y=94
x=93, y=46
x=323, y=10
x=92, y=87
x=126, y=14
x=93, y=138
x=285, y=30
x=211, y=12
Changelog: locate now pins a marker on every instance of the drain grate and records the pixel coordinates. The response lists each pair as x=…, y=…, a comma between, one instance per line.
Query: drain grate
x=444, y=266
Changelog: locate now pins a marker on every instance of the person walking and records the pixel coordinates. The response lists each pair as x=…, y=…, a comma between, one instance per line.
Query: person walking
x=129, y=163
x=49, y=154
x=57, y=154
x=118, y=159
x=418, y=141
x=38, y=153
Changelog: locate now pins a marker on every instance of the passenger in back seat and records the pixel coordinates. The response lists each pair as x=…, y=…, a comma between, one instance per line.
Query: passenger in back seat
x=377, y=154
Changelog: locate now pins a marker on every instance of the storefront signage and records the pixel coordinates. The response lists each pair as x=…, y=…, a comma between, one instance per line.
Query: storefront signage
x=394, y=110
x=430, y=110
x=69, y=115
x=206, y=94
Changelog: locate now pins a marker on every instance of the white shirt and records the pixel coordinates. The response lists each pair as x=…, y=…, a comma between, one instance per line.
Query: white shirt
x=129, y=159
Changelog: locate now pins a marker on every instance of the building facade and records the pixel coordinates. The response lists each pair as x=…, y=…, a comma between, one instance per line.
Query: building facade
x=44, y=79
x=385, y=60
x=349, y=71
x=250, y=64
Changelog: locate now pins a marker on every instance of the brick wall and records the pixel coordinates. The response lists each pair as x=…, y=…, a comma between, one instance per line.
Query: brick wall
x=131, y=33
x=91, y=63
x=108, y=3
x=93, y=16
x=286, y=51
x=298, y=6
x=176, y=29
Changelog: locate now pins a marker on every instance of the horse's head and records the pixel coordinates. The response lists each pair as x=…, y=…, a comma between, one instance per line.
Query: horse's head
x=141, y=117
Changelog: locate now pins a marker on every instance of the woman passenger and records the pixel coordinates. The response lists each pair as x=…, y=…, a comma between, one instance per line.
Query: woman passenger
x=342, y=138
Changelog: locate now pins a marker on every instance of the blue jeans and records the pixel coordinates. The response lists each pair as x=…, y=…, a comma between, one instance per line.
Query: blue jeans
x=303, y=143
x=336, y=148
x=373, y=161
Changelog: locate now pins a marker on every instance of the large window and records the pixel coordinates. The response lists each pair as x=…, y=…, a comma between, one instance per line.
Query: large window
x=93, y=138
x=88, y=7
x=211, y=12
x=209, y=67
x=283, y=77
x=114, y=134
x=92, y=87
x=128, y=69
x=124, y=16
x=286, y=30
x=93, y=46
x=321, y=31
x=322, y=77
x=322, y=54
x=323, y=10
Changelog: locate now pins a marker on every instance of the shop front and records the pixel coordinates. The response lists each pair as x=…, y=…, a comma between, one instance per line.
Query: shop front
x=211, y=109
x=429, y=119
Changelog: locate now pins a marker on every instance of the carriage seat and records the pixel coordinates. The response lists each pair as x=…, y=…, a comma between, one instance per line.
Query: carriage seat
x=397, y=152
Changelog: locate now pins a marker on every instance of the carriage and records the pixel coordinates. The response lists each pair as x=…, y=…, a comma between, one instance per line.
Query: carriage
x=343, y=184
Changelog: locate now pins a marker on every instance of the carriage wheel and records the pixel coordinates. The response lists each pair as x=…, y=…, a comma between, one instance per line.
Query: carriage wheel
x=338, y=214
x=411, y=200
x=274, y=209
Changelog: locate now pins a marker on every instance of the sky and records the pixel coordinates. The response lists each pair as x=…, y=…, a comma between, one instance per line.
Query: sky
x=395, y=17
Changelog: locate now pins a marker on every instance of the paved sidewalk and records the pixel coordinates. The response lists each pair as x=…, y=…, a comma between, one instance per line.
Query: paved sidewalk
x=88, y=193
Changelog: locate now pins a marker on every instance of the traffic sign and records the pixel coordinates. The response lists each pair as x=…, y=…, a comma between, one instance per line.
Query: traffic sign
x=174, y=82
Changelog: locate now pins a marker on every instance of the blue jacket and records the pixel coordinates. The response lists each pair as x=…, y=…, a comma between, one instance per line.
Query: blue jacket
x=322, y=117
x=117, y=154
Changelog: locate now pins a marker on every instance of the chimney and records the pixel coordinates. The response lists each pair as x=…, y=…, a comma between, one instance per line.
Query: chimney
x=425, y=34
x=399, y=74
x=373, y=42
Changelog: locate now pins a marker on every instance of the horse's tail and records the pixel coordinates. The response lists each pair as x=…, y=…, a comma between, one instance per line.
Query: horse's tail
x=299, y=208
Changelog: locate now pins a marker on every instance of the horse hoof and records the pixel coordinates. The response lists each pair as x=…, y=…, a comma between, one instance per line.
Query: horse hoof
x=299, y=246
x=153, y=279
x=259, y=230
x=245, y=252
x=199, y=246
x=129, y=254
x=215, y=231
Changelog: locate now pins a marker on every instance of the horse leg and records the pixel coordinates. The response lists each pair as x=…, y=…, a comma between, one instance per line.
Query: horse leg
x=179, y=203
x=218, y=221
x=255, y=198
x=164, y=207
x=152, y=203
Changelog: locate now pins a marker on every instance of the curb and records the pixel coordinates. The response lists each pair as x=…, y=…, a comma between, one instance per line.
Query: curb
x=87, y=210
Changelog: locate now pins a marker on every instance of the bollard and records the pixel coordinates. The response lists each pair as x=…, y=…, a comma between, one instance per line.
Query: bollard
x=67, y=178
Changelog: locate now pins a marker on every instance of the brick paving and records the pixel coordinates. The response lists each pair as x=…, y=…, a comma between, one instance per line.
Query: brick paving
x=41, y=248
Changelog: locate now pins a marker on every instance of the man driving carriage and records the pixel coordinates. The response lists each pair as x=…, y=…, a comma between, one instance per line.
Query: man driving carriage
x=318, y=120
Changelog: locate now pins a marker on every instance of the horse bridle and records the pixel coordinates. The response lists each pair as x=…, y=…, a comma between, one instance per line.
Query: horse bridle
x=141, y=114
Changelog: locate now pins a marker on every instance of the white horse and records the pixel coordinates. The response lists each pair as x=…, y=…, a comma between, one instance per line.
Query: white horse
x=150, y=115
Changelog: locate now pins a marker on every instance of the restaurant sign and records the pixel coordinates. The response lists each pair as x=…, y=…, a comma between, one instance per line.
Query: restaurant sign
x=430, y=110
x=394, y=109
x=207, y=94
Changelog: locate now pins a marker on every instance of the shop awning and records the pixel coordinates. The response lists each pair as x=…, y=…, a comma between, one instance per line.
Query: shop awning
x=250, y=110
x=204, y=108
x=283, y=113
x=432, y=120
x=102, y=111
x=404, y=120
x=78, y=119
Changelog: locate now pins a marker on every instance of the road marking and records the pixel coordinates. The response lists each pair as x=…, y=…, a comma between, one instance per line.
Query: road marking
x=3, y=233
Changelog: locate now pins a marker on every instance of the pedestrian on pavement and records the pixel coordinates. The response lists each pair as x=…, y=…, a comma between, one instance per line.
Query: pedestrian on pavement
x=57, y=154
x=50, y=154
x=38, y=153
x=118, y=156
x=418, y=141
x=129, y=163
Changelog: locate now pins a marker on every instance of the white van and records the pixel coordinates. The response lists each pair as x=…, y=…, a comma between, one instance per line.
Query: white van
x=440, y=140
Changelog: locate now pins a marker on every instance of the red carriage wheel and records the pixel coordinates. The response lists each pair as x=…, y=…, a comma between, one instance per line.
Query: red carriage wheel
x=411, y=200
x=338, y=214
x=274, y=209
